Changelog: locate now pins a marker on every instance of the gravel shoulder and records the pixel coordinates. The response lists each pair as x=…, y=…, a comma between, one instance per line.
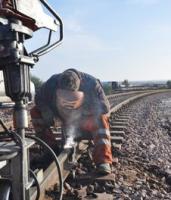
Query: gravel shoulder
x=144, y=169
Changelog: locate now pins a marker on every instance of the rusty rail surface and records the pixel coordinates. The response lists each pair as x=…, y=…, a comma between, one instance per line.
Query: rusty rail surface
x=51, y=175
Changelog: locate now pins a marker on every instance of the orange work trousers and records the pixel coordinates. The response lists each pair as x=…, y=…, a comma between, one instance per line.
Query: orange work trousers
x=99, y=132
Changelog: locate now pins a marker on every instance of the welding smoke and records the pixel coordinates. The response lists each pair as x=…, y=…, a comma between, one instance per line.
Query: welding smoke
x=71, y=128
x=71, y=135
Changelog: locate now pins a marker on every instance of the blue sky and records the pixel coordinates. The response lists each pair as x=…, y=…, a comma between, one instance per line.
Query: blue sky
x=112, y=40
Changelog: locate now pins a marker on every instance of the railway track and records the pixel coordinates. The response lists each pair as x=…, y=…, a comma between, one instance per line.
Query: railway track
x=118, y=126
x=118, y=123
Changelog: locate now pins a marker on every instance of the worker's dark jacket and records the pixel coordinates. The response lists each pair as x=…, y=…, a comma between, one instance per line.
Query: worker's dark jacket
x=95, y=102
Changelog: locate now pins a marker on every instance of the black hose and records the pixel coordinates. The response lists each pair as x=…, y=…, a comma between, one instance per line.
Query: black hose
x=13, y=135
x=18, y=140
x=37, y=184
x=42, y=143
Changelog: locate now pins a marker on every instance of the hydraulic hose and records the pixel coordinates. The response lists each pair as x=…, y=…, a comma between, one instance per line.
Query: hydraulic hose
x=18, y=140
x=42, y=143
x=37, y=184
x=13, y=135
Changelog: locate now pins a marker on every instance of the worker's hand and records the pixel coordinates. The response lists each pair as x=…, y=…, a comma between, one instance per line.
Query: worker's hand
x=68, y=104
x=69, y=99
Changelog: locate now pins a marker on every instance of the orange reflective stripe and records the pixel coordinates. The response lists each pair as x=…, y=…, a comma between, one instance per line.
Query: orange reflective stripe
x=102, y=151
x=101, y=137
x=105, y=120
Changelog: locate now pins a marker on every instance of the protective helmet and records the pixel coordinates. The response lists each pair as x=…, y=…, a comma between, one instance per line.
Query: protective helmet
x=69, y=80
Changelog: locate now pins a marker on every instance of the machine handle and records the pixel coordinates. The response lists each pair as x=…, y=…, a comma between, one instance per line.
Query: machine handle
x=48, y=47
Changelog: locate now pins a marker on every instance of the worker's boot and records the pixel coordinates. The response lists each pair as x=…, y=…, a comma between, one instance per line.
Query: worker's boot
x=104, y=169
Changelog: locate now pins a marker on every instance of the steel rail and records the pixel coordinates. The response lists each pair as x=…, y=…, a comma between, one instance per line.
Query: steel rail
x=118, y=98
x=50, y=174
x=131, y=99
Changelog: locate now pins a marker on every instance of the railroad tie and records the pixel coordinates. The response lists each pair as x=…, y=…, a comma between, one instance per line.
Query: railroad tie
x=92, y=176
x=117, y=139
x=39, y=175
x=100, y=196
x=117, y=128
x=122, y=119
x=124, y=115
x=117, y=133
x=116, y=146
x=88, y=192
x=119, y=123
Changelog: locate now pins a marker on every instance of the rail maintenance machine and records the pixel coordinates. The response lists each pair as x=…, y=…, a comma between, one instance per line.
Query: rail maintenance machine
x=19, y=19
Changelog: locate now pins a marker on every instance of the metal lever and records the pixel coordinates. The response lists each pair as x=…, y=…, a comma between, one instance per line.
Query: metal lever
x=47, y=47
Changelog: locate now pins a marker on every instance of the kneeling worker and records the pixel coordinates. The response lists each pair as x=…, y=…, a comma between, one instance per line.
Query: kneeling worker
x=78, y=100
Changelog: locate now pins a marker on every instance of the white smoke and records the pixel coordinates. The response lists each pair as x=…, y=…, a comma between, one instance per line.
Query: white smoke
x=69, y=143
x=72, y=127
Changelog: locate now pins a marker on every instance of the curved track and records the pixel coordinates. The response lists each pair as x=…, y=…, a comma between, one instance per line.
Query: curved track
x=118, y=123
